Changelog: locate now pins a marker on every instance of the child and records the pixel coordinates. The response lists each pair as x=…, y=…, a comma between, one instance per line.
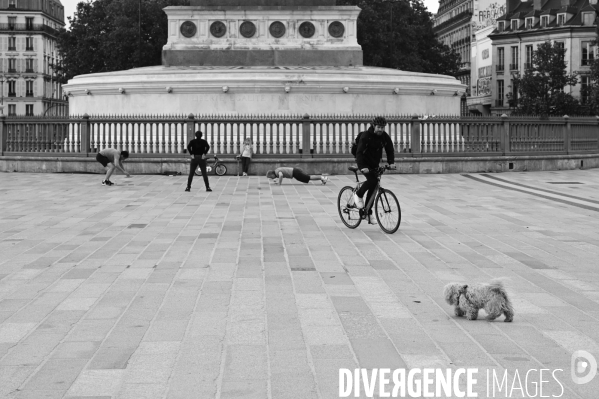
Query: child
x=246, y=155
x=293, y=173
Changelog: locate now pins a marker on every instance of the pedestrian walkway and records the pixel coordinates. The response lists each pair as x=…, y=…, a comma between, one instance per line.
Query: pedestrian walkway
x=141, y=290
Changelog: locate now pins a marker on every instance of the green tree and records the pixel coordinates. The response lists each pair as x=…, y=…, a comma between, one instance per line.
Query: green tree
x=399, y=34
x=541, y=87
x=104, y=36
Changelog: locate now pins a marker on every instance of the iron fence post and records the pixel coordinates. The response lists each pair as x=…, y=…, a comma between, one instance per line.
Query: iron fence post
x=306, y=145
x=190, y=133
x=505, y=135
x=567, y=134
x=85, y=147
x=415, y=144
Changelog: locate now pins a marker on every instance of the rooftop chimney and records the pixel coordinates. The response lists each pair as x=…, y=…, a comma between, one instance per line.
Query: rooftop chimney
x=537, y=4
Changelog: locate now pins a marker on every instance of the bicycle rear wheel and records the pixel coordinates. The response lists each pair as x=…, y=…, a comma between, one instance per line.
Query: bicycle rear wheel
x=198, y=171
x=350, y=215
x=387, y=211
x=220, y=169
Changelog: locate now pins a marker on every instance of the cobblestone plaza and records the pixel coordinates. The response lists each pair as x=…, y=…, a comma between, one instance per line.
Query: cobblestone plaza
x=141, y=290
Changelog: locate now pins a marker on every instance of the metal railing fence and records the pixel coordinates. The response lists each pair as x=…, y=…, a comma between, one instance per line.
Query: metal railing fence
x=301, y=136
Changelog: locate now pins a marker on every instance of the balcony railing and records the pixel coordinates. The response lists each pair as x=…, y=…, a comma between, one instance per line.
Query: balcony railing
x=500, y=68
x=29, y=48
x=29, y=94
x=528, y=65
x=28, y=27
x=514, y=67
x=499, y=103
x=12, y=48
x=29, y=70
x=12, y=70
x=586, y=62
x=12, y=94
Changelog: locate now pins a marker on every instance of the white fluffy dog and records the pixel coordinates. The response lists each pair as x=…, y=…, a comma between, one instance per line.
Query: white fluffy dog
x=469, y=299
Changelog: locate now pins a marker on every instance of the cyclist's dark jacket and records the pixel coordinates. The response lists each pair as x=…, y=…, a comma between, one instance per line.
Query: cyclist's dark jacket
x=198, y=147
x=370, y=149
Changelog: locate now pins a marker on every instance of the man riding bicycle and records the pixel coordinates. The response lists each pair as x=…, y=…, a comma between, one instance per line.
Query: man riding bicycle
x=369, y=151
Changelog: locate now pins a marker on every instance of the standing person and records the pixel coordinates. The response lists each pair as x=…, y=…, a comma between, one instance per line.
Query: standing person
x=293, y=173
x=246, y=156
x=198, y=148
x=115, y=158
x=369, y=151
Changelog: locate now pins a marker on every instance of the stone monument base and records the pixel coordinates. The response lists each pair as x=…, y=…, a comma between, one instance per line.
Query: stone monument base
x=238, y=90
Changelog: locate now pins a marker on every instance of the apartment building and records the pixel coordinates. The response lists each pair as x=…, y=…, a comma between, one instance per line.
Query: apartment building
x=526, y=24
x=453, y=27
x=28, y=51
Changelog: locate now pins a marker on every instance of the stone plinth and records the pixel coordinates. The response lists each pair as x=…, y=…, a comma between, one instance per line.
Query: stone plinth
x=264, y=90
x=262, y=36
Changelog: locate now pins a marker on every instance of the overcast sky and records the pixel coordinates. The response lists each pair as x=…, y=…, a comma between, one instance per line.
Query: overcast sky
x=71, y=5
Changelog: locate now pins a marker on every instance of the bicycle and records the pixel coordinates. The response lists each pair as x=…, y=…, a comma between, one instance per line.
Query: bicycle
x=219, y=168
x=386, y=205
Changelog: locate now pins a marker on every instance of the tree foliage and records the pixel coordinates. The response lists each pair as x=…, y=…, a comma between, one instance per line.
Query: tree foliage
x=541, y=87
x=104, y=36
x=399, y=34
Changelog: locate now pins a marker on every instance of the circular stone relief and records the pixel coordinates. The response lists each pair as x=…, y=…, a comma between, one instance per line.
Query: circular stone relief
x=277, y=29
x=188, y=29
x=247, y=29
x=307, y=29
x=336, y=29
x=218, y=29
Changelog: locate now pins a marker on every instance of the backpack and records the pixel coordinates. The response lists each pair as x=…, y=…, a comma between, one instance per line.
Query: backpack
x=354, y=146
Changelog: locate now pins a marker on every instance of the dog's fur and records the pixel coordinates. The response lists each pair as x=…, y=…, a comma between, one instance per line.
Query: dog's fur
x=469, y=299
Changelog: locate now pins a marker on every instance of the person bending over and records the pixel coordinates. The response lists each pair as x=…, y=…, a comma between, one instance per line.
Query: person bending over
x=115, y=158
x=369, y=151
x=293, y=173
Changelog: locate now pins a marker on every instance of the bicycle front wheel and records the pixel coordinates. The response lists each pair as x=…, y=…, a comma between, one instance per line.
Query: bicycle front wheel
x=387, y=211
x=220, y=169
x=350, y=215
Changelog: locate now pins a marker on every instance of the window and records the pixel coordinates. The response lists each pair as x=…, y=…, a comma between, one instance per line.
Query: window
x=500, y=94
x=559, y=44
x=29, y=65
x=544, y=21
x=528, y=63
x=515, y=59
x=12, y=88
x=29, y=43
x=29, y=109
x=514, y=24
x=29, y=88
x=584, y=90
x=588, y=18
x=501, y=26
x=12, y=109
x=501, y=59
x=561, y=19
x=29, y=23
x=529, y=23
x=12, y=21
x=588, y=53
x=12, y=65
x=12, y=43
x=12, y=4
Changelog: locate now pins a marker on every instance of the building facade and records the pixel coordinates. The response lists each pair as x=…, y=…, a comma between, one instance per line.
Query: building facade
x=526, y=24
x=28, y=51
x=453, y=27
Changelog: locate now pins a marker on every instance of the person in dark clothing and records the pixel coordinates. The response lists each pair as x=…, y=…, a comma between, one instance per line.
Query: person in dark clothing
x=370, y=144
x=198, y=148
